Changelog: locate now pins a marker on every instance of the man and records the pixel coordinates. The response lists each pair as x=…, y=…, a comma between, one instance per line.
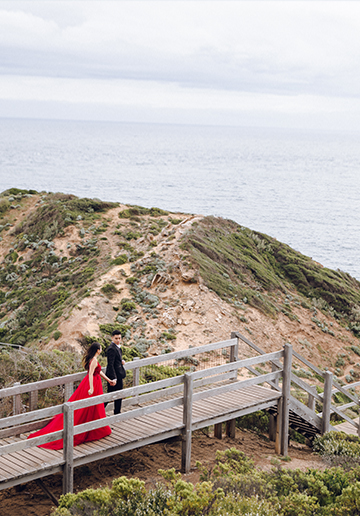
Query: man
x=115, y=367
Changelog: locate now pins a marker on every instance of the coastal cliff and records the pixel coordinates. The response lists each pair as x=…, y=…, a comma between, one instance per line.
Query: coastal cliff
x=74, y=269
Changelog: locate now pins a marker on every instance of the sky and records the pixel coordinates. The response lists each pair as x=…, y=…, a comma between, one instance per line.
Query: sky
x=249, y=63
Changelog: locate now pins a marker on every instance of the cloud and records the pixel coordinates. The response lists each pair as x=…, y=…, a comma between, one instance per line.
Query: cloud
x=182, y=49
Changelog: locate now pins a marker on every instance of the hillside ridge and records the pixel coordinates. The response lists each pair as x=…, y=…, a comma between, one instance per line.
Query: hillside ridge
x=73, y=269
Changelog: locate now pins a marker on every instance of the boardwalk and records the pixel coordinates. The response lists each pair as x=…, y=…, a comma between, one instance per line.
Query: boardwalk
x=172, y=407
x=32, y=463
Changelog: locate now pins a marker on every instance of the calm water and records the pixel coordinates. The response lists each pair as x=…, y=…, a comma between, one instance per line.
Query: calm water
x=301, y=188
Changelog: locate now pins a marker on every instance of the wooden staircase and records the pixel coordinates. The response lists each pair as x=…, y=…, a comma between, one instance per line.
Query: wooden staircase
x=303, y=418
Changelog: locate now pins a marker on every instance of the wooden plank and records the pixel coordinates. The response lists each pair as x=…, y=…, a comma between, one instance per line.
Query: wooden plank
x=41, y=384
x=35, y=415
x=128, y=446
x=17, y=461
x=177, y=355
x=22, y=429
x=9, y=467
x=28, y=478
x=25, y=458
x=28, y=443
x=237, y=413
x=232, y=387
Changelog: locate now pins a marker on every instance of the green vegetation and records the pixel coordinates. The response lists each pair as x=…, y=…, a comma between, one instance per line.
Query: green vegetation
x=233, y=487
x=137, y=211
x=33, y=366
x=339, y=449
x=59, y=211
x=244, y=266
x=109, y=289
x=35, y=292
x=120, y=260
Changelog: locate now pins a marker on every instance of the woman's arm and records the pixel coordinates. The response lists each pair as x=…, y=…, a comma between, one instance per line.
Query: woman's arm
x=111, y=382
x=93, y=364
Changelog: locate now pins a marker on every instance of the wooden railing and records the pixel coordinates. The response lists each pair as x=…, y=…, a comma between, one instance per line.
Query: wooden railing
x=331, y=387
x=181, y=390
x=136, y=365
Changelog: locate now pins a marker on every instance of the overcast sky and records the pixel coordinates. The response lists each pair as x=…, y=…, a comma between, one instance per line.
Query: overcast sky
x=261, y=63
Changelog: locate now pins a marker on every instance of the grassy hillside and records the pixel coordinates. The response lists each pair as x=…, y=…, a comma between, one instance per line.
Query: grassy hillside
x=56, y=248
x=247, y=267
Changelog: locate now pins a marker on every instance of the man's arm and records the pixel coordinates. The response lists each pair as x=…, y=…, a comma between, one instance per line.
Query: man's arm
x=110, y=369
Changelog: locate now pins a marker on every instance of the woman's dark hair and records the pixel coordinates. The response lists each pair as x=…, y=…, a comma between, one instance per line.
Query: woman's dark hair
x=89, y=355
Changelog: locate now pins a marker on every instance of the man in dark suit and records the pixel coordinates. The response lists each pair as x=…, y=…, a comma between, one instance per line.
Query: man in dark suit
x=115, y=367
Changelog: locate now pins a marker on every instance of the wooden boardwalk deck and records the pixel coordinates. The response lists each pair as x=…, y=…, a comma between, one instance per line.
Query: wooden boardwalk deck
x=167, y=408
x=347, y=427
x=33, y=463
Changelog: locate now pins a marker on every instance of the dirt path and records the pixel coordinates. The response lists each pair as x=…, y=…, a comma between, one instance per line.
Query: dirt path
x=29, y=499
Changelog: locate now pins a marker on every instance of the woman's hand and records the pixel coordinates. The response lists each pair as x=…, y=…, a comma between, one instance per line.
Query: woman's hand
x=90, y=391
x=112, y=382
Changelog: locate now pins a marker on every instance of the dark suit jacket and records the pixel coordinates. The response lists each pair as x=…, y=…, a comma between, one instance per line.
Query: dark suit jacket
x=114, y=368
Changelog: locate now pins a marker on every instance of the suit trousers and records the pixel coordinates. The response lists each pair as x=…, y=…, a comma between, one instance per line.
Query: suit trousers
x=117, y=403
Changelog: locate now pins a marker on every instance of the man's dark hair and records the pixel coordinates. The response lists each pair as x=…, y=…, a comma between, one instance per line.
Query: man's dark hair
x=116, y=332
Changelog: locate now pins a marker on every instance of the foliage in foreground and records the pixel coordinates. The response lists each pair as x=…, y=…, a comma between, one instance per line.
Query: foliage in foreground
x=233, y=488
x=339, y=449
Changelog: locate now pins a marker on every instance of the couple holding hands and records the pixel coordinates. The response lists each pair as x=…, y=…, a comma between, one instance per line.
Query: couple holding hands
x=91, y=386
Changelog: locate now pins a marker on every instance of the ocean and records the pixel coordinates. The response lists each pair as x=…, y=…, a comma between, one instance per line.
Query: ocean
x=297, y=186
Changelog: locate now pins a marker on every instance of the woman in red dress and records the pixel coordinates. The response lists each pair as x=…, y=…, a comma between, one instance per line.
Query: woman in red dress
x=90, y=386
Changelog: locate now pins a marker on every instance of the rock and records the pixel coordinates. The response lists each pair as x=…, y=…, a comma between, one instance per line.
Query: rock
x=189, y=276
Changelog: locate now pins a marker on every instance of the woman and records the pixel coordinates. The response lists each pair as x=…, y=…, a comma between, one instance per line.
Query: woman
x=90, y=386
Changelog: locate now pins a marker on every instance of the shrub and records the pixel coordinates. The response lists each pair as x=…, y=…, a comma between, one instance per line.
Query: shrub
x=109, y=289
x=120, y=260
x=338, y=448
x=4, y=206
x=167, y=335
x=109, y=328
x=57, y=334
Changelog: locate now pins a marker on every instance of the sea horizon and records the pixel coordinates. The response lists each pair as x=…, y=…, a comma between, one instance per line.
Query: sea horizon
x=297, y=186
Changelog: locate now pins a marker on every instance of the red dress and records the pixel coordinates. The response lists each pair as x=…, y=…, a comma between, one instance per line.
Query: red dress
x=81, y=416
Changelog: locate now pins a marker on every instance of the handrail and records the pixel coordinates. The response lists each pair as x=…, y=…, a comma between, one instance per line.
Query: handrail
x=308, y=364
x=133, y=391
x=135, y=364
x=303, y=385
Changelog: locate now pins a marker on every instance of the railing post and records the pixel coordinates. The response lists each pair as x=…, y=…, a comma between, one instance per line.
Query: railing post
x=187, y=420
x=234, y=350
x=68, y=390
x=327, y=402
x=311, y=400
x=286, y=384
x=278, y=426
x=34, y=398
x=68, y=441
x=16, y=401
x=273, y=419
x=234, y=354
x=136, y=373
